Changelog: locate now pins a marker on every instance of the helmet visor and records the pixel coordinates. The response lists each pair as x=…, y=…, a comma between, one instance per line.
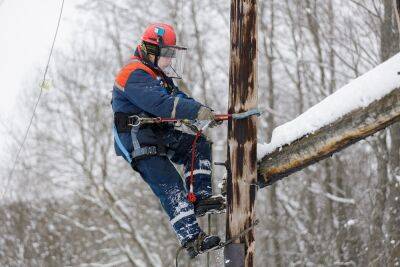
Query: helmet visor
x=171, y=60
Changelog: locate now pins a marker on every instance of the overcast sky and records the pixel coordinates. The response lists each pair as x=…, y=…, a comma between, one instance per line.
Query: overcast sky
x=26, y=32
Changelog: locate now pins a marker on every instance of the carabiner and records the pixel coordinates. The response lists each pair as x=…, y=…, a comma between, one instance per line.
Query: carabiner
x=136, y=121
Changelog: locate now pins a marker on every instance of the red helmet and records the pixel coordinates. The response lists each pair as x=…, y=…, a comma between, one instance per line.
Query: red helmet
x=159, y=39
x=160, y=30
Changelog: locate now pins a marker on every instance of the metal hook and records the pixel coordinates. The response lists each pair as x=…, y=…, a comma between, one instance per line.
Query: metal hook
x=136, y=121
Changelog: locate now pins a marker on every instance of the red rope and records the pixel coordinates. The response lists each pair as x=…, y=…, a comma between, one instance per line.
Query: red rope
x=191, y=196
x=222, y=117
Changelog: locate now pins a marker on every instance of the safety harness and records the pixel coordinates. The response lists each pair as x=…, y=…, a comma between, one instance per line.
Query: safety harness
x=135, y=121
x=125, y=122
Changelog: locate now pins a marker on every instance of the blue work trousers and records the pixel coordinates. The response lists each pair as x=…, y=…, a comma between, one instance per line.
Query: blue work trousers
x=166, y=183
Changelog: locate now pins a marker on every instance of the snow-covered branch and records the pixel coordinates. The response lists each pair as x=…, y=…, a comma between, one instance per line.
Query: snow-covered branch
x=332, y=196
x=366, y=105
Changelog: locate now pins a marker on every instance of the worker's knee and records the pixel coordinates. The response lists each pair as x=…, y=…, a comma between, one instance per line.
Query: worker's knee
x=159, y=173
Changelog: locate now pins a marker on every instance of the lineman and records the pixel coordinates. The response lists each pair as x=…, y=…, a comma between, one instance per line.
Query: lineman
x=144, y=87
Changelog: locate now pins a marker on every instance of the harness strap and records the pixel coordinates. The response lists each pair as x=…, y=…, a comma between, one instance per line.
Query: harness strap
x=139, y=152
x=121, y=124
x=135, y=141
x=120, y=145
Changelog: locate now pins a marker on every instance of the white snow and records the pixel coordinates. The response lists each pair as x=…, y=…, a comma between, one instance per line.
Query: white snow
x=350, y=223
x=360, y=92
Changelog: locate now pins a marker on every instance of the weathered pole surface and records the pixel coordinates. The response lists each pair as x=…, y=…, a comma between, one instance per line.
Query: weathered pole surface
x=242, y=134
x=397, y=12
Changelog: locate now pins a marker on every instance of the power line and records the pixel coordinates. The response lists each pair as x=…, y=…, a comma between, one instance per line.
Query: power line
x=37, y=101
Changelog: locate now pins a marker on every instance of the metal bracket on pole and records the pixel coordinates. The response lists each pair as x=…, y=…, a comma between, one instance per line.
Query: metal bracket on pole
x=234, y=255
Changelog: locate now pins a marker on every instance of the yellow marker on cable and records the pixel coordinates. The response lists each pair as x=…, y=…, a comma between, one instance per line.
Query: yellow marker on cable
x=46, y=85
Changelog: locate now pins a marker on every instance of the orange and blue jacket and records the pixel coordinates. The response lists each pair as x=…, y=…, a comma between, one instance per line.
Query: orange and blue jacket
x=138, y=89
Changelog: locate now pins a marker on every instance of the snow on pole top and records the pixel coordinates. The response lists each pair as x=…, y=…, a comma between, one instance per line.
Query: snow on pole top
x=361, y=92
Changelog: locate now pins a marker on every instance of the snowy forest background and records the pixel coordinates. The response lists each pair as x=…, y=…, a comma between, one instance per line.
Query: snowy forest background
x=71, y=202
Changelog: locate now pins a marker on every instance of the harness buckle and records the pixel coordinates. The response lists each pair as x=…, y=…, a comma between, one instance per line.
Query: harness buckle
x=134, y=121
x=144, y=152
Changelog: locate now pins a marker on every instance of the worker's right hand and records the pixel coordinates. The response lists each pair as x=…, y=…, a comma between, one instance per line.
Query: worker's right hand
x=205, y=114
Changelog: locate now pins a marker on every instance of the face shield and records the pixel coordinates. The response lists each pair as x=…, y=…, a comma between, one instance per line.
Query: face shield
x=171, y=60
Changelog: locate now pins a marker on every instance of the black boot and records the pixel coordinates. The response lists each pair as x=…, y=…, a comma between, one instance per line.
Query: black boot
x=201, y=244
x=213, y=204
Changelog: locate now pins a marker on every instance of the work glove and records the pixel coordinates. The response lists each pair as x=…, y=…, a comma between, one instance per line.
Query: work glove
x=205, y=114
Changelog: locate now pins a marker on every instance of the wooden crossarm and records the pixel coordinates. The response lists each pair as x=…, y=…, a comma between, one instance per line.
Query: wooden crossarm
x=330, y=139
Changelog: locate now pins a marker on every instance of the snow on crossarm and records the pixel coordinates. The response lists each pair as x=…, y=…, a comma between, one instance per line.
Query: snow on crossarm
x=359, y=93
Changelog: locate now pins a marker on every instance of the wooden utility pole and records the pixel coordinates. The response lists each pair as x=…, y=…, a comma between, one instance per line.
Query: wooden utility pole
x=396, y=4
x=242, y=134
